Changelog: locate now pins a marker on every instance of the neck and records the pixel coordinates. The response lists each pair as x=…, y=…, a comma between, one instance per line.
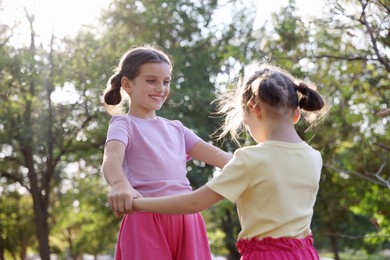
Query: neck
x=279, y=131
x=284, y=135
x=143, y=115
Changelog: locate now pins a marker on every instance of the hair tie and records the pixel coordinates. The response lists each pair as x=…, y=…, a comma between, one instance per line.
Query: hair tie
x=302, y=88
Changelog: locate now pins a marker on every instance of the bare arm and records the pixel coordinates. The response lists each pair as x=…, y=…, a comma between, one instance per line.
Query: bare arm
x=210, y=154
x=187, y=203
x=122, y=193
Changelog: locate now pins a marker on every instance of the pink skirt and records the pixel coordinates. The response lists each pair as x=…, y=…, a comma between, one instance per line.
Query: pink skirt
x=282, y=248
x=149, y=236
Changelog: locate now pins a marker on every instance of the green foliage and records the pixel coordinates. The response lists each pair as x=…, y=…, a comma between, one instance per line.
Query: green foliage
x=16, y=229
x=43, y=128
x=82, y=221
x=53, y=126
x=223, y=217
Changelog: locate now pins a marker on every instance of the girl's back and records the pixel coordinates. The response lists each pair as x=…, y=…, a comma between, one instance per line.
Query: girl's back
x=274, y=185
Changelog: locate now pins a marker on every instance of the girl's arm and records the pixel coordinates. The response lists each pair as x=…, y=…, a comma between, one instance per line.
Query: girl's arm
x=209, y=154
x=187, y=203
x=122, y=193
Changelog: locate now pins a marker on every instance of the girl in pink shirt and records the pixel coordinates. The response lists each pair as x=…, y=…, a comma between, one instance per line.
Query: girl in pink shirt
x=273, y=183
x=145, y=156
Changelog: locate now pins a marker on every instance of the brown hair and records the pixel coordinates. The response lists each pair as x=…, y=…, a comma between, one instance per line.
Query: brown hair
x=129, y=66
x=271, y=85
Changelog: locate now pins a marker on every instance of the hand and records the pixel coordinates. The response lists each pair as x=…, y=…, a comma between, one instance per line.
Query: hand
x=120, y=198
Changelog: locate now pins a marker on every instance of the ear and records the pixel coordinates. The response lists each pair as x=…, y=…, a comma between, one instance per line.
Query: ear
x=126, y=84
x=254, y=108
x=297, y=115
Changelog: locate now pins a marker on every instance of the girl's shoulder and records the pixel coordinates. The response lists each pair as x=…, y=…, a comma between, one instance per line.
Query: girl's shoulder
x=272, y=148
x=264, y=147
x=120, y=118
x=247, y=151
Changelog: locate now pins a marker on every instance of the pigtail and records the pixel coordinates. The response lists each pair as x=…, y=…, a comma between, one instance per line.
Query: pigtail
x=310, y=99
x=114, y=101
x=113, y=95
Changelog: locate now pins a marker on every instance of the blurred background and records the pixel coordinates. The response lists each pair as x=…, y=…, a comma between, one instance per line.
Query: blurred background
x=55, y=60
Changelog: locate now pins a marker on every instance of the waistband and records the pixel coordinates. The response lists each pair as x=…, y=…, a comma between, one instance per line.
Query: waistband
x=270, y=244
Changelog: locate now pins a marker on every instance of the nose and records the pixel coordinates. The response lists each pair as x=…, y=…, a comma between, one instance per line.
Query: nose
x=160, y=86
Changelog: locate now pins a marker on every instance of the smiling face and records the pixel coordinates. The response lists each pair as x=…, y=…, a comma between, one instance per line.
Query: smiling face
x=149, y=90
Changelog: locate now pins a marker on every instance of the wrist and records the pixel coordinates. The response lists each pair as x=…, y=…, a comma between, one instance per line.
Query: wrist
x=133, y=205
x=120, y=183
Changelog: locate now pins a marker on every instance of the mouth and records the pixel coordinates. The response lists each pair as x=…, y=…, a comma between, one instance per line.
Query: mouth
x=157, y=98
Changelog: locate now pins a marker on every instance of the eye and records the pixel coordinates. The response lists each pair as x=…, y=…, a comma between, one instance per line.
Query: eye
x=167, y=82
x=150, y=81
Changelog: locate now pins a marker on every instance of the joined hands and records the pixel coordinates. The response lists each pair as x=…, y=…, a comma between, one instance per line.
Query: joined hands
x=121, y=197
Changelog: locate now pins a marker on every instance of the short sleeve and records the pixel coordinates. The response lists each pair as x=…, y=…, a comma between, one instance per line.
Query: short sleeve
x=119, y=129
x=190, y=139
x=234, y=178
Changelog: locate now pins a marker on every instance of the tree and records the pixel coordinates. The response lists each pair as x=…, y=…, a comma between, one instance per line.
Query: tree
x=17, y=118
x=39, y=135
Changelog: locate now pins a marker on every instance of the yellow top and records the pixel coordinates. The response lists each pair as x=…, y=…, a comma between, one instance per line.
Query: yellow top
x=274, y=185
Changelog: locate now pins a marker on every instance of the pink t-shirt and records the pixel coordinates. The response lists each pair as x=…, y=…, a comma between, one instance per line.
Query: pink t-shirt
x=156, y=153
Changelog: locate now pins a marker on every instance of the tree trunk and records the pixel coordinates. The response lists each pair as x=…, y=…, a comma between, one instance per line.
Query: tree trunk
x=40, y=212
x=335, y=249
x=38, y=188
x=23, y=254
x=227, y=226
x=40, y=219
x=233, y=256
